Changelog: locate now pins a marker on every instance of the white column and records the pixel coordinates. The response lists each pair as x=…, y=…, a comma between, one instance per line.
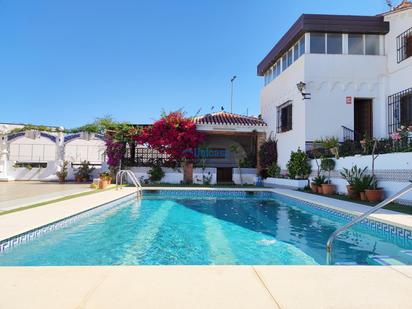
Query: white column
x=4, y=160
x=59, y=149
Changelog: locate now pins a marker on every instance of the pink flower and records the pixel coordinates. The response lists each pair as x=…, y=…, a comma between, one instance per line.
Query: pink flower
x=395, y=136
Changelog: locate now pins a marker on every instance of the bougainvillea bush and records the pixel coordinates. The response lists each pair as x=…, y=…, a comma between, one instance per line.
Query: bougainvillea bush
x=174, y=135
x=115, y=151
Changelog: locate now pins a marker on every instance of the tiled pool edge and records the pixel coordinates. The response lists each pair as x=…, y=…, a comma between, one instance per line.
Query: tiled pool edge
x=373, y=224
x=34, y=233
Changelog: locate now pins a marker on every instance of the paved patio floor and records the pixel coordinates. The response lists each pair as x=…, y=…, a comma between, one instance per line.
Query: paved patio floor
x=16, y=194
x=206, y=287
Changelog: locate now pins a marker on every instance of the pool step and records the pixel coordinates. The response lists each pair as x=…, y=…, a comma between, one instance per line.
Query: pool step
x=384, y=260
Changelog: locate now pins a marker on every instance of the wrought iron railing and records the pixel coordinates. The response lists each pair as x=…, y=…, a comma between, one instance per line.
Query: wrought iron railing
x=351, y=135
x=399, y=105
x=404, y=45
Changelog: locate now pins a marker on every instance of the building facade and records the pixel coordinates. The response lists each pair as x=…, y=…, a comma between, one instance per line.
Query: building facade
x=355, y=76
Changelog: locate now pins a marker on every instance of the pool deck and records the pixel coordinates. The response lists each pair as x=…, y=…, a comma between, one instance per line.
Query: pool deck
x=206, y=287
x=197, y=286
x=16, y=194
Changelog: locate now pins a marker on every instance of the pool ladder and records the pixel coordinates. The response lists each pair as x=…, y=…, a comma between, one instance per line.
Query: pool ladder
x=360, y=218
x=119, y=181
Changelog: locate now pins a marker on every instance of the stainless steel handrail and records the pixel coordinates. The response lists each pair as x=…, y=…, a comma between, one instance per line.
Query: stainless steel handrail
x=360, y=218
x=133, y=178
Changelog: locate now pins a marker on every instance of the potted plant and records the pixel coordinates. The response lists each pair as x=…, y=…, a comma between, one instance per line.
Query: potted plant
x=332, y=143
x=360, y=184
x=373, y=193
x=105, y=180
x=62, y=174
x=351, y=176
x=84, y=171
x=316, y=184
x=328, y=165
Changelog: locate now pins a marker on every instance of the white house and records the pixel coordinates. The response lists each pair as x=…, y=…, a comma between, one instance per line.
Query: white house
x=355, y=76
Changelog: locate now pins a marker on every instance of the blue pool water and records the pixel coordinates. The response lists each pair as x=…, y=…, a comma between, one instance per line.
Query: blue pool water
x=172, y=230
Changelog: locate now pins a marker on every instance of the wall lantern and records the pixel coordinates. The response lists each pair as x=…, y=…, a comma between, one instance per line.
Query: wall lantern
x=301, y=88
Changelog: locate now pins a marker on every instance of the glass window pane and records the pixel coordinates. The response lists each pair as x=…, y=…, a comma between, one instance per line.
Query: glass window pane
x=278, y=69
x=302, y=46
x=317, y=43
x=290, y=57
x=296, y=52
x=355, y=44
x=372, y=44
x=334, y=43
x=284, y=62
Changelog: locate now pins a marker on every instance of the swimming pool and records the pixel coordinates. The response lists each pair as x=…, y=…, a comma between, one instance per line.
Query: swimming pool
x=207, y=228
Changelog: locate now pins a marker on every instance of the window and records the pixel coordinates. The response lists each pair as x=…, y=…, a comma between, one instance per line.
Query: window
x=301, y=46
x=334, y=43
x=317, y=43
x=400, y=110
x=406, y=110
x=296, y=51
x=284, y=115
x=404, y=45
x=355, y=44
x=371, y=44
x=290, y=57
x=284, y=62
x=278, y=69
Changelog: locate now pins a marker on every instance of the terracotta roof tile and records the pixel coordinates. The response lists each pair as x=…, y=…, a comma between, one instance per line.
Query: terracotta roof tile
x=404, y=5
x=225, y=118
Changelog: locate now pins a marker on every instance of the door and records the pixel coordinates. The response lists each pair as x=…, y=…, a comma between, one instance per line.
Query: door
x=224, y=175
x=363, y=118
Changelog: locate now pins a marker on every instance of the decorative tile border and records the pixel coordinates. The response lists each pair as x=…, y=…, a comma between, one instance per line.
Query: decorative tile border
x=388, y=231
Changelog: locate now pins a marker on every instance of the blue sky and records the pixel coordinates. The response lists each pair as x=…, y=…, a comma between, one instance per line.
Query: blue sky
x=67, y=62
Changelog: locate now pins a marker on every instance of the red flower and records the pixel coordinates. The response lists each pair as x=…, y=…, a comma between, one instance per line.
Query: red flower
x=174, y=135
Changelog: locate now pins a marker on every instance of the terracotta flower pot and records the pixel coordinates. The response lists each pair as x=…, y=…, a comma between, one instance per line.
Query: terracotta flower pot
x=103, y=184
x=314, y=187
x=351, y=193
x=320, y=190
x=374, y=195
x=328, y=189
x=362, y=196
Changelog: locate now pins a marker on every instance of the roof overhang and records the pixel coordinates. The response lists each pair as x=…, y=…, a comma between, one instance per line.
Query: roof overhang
x=229, y=128
x=323, y=23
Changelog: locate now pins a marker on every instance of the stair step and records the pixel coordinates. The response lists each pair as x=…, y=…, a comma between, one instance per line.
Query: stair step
x=383, y=260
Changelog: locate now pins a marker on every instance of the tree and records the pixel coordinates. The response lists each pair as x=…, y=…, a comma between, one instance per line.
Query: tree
x=174, y=135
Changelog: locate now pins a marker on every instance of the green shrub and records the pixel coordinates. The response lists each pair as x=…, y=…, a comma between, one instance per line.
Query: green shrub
x=274, y=170
x=328, y=165
x=298, y=165
x=156, y=173
x=319, y=180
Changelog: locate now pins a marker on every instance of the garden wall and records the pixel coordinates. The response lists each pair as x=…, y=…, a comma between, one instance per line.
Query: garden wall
x=248, y=176
x=393, y=171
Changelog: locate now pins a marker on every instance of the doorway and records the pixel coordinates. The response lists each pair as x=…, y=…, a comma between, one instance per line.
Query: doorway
x=224, y=175
x=363, y=118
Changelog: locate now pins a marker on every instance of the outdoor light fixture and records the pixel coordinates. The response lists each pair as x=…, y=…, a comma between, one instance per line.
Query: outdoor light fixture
x=301, y=88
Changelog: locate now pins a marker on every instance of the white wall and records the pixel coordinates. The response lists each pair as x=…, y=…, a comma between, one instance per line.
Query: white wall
x=248, y=176
x=330, y=79
x=207, y=172
x=399, y=73
x=174, y=176
x=277, y=92
x=392, y=163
